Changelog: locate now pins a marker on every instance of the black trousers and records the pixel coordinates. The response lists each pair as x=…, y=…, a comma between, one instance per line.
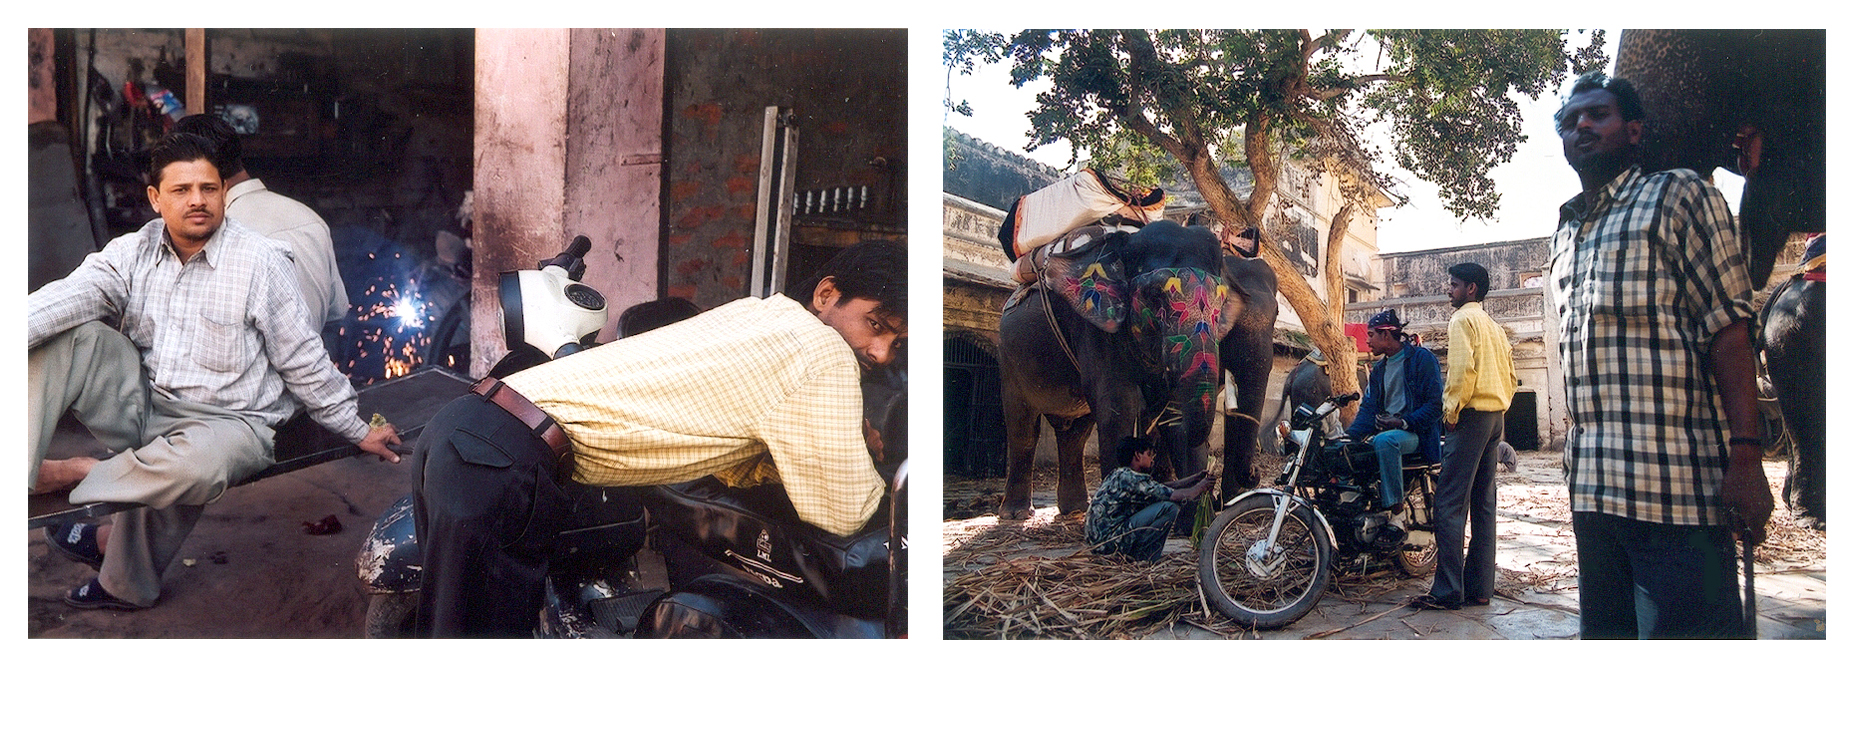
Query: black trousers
x=1654, y=580
x=488, y=506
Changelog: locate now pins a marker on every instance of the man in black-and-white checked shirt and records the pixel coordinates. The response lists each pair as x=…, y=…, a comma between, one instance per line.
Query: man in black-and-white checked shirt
x=211, y=336
x=1653, y=293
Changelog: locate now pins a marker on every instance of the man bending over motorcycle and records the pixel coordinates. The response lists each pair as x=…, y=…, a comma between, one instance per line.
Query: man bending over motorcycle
x=1131, y=513
x=1402, y=406
x=754, y=391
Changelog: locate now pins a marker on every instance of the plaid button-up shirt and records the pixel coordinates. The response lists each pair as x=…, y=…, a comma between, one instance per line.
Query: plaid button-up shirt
x=753, y=391
x=1644, y=279
x=227, y=328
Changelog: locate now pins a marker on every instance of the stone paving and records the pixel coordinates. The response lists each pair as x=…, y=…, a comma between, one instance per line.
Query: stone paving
x=1537, y=597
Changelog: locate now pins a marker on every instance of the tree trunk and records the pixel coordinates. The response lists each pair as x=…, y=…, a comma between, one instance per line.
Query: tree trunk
x=1324, y=326
x=1334, y=274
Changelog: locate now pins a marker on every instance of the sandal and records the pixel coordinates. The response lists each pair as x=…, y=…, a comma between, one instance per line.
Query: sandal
x=1427, y=602
x=76, y=541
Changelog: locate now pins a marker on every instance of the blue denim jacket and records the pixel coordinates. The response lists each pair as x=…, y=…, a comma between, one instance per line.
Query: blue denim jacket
x=1424, y=401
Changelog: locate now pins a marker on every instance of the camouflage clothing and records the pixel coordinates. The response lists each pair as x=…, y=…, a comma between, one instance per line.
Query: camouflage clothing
x=1129, y=515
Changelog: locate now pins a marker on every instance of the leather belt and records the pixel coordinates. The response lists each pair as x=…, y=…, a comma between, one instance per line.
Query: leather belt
x=537, y=420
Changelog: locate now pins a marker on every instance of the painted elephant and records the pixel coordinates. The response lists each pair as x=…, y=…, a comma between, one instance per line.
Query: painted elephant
x=1754, y=101
x=1122, y=333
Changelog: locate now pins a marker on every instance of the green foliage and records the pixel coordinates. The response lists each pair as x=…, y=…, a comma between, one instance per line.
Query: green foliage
x=1138, y=101
x=964, y=50
x=1450, y=107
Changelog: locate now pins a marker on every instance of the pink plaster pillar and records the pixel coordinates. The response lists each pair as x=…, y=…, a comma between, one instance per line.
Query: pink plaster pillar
x=566, y=142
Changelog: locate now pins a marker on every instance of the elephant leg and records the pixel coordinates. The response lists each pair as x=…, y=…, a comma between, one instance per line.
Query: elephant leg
x=1805, y=415
x=1021, y=432
x=1071, y=479
x=1239, y=453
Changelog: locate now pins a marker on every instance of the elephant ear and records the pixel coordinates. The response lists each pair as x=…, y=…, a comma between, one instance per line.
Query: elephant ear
x=1230, y=310
x=1242, y=279
x=1084, y=268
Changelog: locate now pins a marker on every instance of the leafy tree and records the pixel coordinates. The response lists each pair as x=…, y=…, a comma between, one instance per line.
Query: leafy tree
x=963, y=51
x=1144, y=102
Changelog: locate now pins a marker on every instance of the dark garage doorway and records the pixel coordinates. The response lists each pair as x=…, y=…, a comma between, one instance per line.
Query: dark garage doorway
x=974, y=410
x=1519, y=425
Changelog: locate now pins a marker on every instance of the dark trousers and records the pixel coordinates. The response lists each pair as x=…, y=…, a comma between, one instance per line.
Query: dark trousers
x=1467, y=490
x=1143, y=537
x=487, y=507
x=1653, y=580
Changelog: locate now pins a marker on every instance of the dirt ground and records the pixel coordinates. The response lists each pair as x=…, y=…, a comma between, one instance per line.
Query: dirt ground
x=1034, y=579
x=248, y=571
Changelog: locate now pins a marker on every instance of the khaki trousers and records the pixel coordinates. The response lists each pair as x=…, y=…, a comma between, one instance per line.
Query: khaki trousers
x=172, y=455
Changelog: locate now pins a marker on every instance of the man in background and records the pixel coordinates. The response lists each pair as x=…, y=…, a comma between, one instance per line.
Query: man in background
x=279, y=217
x=1400, y=410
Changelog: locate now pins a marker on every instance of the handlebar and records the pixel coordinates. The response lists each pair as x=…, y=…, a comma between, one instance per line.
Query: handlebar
x=1339, y=400
x=571, y=258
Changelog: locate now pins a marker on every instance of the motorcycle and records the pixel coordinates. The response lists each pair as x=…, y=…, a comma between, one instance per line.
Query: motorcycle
x=1267, y=557
x=692, y=560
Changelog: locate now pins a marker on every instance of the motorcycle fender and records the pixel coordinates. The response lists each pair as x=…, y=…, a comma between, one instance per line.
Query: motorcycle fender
x=1296, y=499
x=390, y=559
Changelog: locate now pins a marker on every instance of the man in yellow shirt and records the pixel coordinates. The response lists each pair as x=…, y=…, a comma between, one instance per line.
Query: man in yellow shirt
x=757, y=390
x=1478, y=386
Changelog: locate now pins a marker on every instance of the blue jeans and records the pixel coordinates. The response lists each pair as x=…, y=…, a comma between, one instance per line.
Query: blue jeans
x=1389, y=446
x=1653, y=580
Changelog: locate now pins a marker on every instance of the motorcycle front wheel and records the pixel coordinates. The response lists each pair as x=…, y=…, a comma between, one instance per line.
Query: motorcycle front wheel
x=1259, y=582
x=390, y=615
x=1419, y=556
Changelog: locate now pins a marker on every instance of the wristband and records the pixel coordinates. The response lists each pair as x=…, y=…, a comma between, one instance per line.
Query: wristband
x=1747, y=441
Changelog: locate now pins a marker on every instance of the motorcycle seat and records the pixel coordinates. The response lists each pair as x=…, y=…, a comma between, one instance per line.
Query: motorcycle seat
x=705, y=527
x=1416, y=461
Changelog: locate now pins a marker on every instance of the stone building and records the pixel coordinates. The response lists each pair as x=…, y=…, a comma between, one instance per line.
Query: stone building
x=981, y=180
x=1414, y=285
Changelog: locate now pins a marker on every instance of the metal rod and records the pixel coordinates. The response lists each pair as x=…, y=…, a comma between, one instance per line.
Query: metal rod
x=1748, y=570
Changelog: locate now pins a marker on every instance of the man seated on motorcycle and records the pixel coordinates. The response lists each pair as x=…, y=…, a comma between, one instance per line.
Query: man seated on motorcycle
x=757, y=390
x=1131, y=513
x=1401, y=409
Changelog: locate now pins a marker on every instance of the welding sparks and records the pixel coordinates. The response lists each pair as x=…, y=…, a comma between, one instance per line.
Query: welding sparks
x=387, y=332
x=410, y=314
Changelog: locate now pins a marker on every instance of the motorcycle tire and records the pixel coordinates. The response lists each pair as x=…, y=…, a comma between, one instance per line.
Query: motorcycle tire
x=1265, y=591
x=390, y=615
x=1421, y=561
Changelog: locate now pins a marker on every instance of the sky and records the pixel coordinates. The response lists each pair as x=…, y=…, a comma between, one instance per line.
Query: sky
x=1533, y=184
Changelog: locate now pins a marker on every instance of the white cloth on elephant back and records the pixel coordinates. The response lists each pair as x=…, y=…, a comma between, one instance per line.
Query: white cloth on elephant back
x=1043, y=216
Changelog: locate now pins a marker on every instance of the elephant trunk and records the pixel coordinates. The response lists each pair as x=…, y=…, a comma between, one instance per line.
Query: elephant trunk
x=1181, y=307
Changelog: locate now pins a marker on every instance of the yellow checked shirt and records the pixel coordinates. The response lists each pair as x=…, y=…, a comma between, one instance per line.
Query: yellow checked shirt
x=756, y=390
x=1481, y=373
